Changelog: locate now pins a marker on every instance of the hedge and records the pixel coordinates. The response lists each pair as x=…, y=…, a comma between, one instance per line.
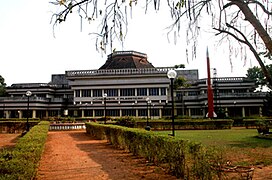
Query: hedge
x=184, y=159
x=19, y=119
x=21, y=162
x=188, y=124
x=15, y=126
x=254, y=123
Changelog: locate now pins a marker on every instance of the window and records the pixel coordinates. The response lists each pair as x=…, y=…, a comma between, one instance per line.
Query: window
x=154, y=112
x=142, y=112
x=88, y=113
x=163, y=91
x=141, y=92
x=97, y=93
x=153, y=91
x=196, y=111
x=113, y=112
x=179, y=94
x=77, y=93
x=99, y=112
x=225, y=91
x=192, y=93
x=111, y=92
x=240, y=91
x=86, y=93
x=128, y=92
x=128, y=112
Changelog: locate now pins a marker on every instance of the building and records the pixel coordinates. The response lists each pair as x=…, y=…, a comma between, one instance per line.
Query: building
x=128, y=85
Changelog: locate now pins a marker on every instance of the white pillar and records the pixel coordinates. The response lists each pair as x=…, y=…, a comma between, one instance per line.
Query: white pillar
x=226, y=112
x=33, y=113
x=243, y=112
x=46, y=113
x=136, y=112
x=189, y=112
x=260, y=111
x=20, y=114
x=160, y=113
x=82, y=113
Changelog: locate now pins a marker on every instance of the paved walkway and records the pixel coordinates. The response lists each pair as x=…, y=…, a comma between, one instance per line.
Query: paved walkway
x=75, y=155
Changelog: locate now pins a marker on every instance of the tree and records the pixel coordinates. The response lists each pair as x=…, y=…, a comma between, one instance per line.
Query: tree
x=246, y=22
x=267, y=106
x=179, y=82
x=2, y=86
x=255, y=73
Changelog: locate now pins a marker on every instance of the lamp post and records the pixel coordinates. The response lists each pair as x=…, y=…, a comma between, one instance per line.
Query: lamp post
x=133, y=114
x=234, y=103
x=105, y=106
x=147, y=123
x=171, y=74
x=4, y=114
x=28, y=94
x=153, y=111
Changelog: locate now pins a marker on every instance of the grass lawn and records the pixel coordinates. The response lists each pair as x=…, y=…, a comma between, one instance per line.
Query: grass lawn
x=238, y=145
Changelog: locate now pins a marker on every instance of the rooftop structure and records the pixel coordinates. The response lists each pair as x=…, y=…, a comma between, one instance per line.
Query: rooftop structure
x=126, y=60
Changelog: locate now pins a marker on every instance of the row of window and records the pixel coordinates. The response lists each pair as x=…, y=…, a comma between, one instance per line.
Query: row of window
x=123, y=92
x=124, y=112
x=216, y=91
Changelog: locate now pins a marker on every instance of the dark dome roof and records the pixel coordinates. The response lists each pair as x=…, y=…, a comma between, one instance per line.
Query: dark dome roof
x=126, y=59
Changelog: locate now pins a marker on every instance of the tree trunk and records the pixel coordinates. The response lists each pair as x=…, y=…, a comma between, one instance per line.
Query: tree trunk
x=249, y=16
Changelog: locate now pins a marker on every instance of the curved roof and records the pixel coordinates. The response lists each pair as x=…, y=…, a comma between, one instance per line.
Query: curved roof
x=126, y=59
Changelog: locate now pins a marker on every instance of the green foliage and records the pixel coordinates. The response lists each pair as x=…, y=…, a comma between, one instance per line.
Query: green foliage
x=22, y=161
x=267, y=105
x=188, y=124
x=2, y=86
x=179, y=82
x=256, y=123
x=179, y=66
x=257, y=74
x=183, y=158
x=244, y=143
x=20, y=119
x=126, y=121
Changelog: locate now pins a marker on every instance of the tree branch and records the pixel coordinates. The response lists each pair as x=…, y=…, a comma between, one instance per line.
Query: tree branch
x=261, y=5
x=255, y=53
x=249, y=16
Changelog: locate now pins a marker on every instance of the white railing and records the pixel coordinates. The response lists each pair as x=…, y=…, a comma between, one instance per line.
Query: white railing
x=162, y=70
x=67, y=126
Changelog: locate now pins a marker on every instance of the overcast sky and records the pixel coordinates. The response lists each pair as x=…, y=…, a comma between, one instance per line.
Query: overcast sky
x=29, y=52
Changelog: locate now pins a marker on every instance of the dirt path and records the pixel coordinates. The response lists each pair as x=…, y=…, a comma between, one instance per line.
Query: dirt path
x=76, y=155
x=8, y=140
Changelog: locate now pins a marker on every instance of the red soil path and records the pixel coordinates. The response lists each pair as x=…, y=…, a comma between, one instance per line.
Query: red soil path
x=76, y=155
x=8, y=140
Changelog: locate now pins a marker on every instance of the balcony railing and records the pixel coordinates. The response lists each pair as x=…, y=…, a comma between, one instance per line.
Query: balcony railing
x=162, y=70
x=127, y=53
x=224, y=95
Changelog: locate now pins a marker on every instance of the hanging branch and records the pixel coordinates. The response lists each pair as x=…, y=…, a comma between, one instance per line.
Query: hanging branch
x=246, y=42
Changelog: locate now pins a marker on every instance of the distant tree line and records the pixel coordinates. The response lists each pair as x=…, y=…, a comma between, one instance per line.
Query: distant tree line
x=2, y=86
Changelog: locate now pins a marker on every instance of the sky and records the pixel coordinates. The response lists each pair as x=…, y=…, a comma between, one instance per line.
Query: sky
x=30, y=53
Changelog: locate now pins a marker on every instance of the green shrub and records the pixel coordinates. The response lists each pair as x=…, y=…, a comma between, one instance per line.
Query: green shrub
x=19, y=119
x=22, y=161
x=188, y=124
x=126, y=121
x=184, y=159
